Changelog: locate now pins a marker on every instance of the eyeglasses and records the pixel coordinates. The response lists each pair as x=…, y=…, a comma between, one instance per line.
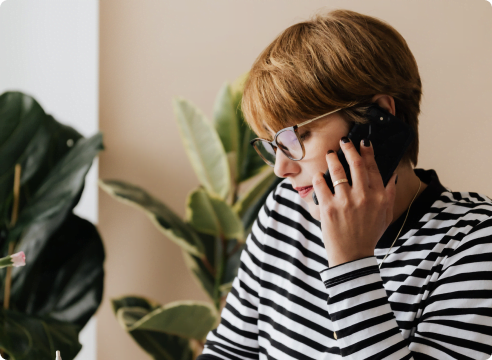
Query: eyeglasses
x=287, y=140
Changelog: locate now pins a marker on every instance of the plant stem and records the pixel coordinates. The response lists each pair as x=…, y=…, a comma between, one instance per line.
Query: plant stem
x=221, y=257
x=15, y=208
x=8, y=278
x=13, y=221
x=209, y=267
x=15, y=213
x=236, y=248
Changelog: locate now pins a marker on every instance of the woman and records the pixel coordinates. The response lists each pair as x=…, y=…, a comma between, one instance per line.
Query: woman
x=396, y=272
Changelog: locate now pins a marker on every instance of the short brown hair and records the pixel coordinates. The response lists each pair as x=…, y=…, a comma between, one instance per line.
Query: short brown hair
x=332, y=61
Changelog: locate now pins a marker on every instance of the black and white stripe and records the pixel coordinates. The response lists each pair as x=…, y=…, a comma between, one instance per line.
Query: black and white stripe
x=431, y=299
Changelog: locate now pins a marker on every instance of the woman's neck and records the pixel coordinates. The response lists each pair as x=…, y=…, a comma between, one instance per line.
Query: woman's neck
x=407, y=186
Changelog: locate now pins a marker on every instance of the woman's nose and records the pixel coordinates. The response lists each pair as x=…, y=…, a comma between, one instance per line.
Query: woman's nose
x=284, y=166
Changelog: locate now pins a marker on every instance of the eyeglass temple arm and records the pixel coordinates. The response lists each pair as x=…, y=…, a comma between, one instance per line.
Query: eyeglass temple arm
x=316, y=118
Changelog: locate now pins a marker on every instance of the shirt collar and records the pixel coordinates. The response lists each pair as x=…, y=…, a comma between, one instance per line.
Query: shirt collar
x=420, y=207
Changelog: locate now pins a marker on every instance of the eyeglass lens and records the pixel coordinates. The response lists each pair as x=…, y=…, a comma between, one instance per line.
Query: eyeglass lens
x=287, y=142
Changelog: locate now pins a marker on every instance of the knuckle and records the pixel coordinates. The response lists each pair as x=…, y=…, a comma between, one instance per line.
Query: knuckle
x=318, y=179
x=329, y=211
x=362, y=200
x=373, y=167
x=338, y=170
x=383, y=200
x=358, y=163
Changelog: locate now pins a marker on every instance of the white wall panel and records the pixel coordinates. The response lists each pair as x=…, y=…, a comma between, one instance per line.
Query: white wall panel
x=49, y=50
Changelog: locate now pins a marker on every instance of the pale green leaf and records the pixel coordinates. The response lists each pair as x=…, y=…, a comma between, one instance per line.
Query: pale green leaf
x=213, y=216
x=203, y=147
x=255, y=192
x=225, y=120
x=161, y=346
x=162, y=216
x=187, y=319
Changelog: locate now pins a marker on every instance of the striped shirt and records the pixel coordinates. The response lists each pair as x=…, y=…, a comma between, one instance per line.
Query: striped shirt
x=431, y=299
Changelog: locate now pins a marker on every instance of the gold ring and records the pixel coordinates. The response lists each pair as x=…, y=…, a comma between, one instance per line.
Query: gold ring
x=339, y=182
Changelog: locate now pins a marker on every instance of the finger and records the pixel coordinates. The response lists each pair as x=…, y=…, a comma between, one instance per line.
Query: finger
x=373, y=175
x=391, y=196
x=337, y=172
x=357, y=164
x=323, y=192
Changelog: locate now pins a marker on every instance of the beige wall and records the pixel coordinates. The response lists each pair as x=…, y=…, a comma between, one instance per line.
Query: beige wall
x=154, y=50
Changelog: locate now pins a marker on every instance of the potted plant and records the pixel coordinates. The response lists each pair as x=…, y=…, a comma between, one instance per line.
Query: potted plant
x=234, y=183
x=43, y=164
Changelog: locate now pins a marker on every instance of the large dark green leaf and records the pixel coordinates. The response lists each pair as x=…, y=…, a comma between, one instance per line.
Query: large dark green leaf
x=159, y=345
x=160, y=214
x=60, y=186
x=32, y=139
x=63, y=276
x=25, y=337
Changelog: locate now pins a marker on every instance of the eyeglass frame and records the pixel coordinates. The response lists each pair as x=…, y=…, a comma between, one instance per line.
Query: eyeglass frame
x=293, y=128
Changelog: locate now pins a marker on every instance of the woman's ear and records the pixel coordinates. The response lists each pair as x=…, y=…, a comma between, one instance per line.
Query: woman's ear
x=386, y=102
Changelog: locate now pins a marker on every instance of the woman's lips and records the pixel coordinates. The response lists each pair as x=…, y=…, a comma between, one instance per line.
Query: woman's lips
x=304, y=191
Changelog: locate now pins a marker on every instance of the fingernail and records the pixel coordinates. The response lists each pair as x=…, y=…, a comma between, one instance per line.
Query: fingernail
x=329, y=152
x=366, y=142
x=345, y=139
x=396, y=180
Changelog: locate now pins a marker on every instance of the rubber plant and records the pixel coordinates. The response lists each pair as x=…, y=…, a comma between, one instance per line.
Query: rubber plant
x=219, y=215
x=43, y=165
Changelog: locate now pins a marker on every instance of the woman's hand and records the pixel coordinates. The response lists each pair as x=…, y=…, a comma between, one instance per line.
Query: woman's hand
x=355, y=217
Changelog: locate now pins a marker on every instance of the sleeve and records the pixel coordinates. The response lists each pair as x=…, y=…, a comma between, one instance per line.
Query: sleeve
x=455, y=315
x=236, y=337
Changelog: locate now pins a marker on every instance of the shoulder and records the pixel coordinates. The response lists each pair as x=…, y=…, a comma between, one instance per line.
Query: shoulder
x=466, y=219
x=464, y=206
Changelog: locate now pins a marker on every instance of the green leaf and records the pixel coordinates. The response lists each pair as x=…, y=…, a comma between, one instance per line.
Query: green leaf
x=231, y=264
x=251, y=163
x=61, y=185
x=133, y=301
x=225, y=121
x=28, y=338
x=255, y=192
x=21, y=117
x=60, y=288
x=161, y=346
x=204, y=148
x=32, y=139
x=162, y=216
x=212, y=215
x=64, y=276
x=200, y=273
x=251, y=212
x=187, y=319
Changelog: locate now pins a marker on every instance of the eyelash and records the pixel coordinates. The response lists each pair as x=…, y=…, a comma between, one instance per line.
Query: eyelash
x=304, y=135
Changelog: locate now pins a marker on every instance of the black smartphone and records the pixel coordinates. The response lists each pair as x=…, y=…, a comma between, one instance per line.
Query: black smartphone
x=390, y=137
